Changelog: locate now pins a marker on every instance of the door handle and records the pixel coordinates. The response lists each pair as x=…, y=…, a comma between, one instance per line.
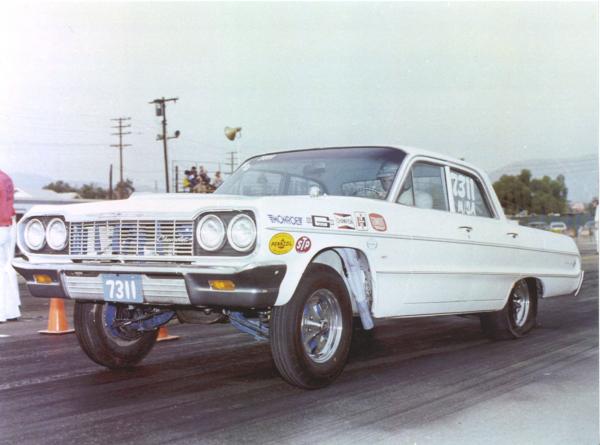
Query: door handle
x=469, y=229
x=513, y=234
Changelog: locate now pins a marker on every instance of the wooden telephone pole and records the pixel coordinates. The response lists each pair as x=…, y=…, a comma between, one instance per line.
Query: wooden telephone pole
x=232, y=161
x=120, y=145
x=161, y=110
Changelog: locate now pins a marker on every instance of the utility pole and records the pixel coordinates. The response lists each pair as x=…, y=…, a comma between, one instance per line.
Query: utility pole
x=232, y=161
x=120, y=145
x=161, y=110
x=110, y=183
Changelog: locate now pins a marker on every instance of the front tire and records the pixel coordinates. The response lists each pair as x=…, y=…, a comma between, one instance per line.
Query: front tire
x=109, y=347
x=311, y=334
x=517, y=318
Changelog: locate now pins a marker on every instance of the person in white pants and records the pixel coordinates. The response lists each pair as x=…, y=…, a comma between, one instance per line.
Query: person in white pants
x=9, y=294
x=9, y=289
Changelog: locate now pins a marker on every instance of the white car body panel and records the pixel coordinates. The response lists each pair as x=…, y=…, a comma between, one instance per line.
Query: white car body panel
x=424, y=263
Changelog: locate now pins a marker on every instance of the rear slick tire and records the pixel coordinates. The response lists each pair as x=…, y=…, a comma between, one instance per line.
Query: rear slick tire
x=517, y=318
x=311, y=334
x=105, y=346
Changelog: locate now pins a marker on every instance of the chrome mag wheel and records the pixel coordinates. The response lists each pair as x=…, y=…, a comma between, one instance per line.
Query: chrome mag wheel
x=520, y=302
x=321, y=326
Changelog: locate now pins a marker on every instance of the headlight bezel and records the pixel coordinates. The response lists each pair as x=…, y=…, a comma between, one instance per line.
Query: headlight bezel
x=226, y=215
x=45, y=249
x=30, y=223
x=198, y=233
x=60, y=247
x=230, y=228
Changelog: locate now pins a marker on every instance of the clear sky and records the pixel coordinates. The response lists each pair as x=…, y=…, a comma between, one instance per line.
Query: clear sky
x=490, y=82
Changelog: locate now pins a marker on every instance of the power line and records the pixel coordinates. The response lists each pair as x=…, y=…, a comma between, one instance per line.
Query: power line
x=54, y=144
x=120, y=145
x=93, y=131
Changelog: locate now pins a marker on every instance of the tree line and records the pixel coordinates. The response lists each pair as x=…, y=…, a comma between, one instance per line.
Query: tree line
x=91, y=191
x=543, y=196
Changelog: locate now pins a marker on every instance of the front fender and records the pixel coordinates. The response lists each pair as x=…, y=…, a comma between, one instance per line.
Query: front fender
x=297, y=262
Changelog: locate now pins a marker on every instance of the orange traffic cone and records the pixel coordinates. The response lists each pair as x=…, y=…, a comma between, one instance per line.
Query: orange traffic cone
x=163, y=335
x=57, y=319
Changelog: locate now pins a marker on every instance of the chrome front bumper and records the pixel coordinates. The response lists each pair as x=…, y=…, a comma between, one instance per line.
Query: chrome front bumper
x=257, y=285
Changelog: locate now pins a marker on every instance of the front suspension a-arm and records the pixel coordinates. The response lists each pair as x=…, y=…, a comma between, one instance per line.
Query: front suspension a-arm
x=147, y=321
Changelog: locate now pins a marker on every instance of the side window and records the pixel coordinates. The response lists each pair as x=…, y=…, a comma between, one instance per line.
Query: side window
x=468, y=195
x=425, y=187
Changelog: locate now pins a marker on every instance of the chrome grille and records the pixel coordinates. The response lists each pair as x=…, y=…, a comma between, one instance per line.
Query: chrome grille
x=132, y=238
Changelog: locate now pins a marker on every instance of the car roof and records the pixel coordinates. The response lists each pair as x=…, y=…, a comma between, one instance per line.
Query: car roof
x=410, y=151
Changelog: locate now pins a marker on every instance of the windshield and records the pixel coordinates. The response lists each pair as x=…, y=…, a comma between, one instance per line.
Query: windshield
x=356, y=171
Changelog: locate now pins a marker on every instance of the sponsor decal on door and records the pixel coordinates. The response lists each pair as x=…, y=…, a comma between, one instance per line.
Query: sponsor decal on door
x=344, y=221
x=378, y=222
x=361, y=220
x=323, y=222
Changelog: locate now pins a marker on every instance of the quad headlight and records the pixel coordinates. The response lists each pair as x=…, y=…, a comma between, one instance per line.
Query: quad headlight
x=210, y=233
x=226, y=230
x=56, y=234
x=241, y=233
x=53, y=233
x=34, y=234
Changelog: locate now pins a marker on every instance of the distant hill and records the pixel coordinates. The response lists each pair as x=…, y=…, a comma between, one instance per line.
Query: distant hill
x=581, y=174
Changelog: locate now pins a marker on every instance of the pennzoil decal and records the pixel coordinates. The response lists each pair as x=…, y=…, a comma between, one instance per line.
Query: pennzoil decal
x=303, y=244
x=281, y=243
x=378, y=222
x=343, y=221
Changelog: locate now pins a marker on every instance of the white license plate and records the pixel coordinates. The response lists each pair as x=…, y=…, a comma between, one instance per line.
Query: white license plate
x=122, y=288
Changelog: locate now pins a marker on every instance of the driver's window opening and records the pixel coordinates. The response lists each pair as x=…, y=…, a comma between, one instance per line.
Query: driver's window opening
x=425, y=187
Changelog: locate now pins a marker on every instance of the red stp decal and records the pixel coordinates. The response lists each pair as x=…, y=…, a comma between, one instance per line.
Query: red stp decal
x=378, y=222
x=303, y=244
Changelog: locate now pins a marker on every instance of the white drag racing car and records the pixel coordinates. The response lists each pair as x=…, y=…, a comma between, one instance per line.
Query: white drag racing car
x=294, y=248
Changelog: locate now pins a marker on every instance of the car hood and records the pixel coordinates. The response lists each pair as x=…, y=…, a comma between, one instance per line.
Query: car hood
x=189, y=205
x=169, y=205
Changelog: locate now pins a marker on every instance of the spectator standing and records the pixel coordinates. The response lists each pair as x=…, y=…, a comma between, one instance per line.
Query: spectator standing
x=217, y=180
x=193, y=177
x=204, y=176
x=200, y=187
x=186, y=181
x=9, y=290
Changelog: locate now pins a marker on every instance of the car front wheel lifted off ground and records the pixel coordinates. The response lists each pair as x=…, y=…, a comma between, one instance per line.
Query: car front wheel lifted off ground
x=311, y=334
x=518, y=316
x=111, y=347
